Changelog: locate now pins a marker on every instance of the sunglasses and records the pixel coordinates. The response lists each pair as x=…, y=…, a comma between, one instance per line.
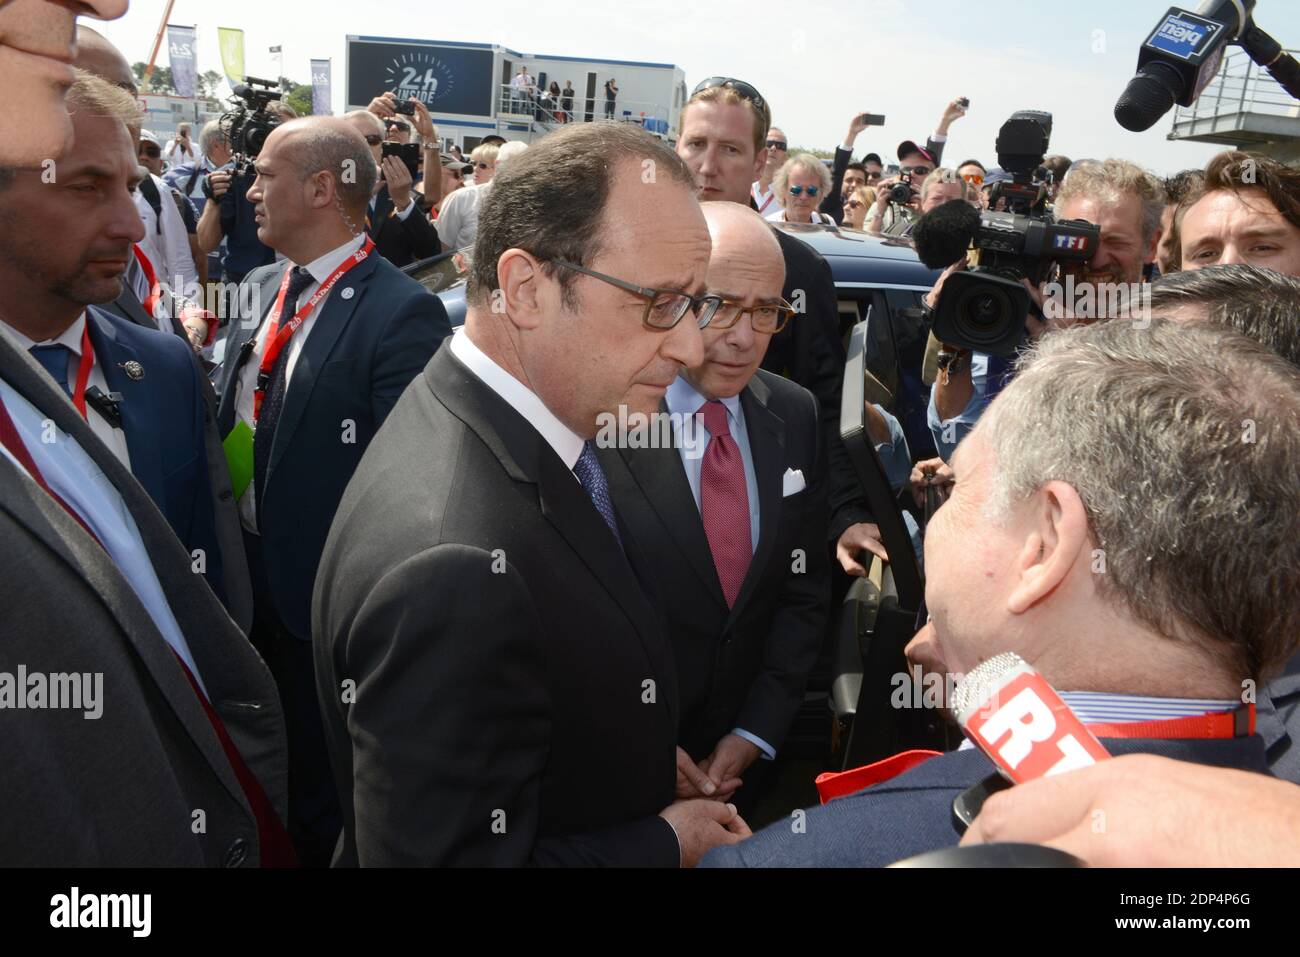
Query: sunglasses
x=800, y=190
x=400, y=127
x=776, y=145
x=975, y=179
x=877, y=174
x=918, y=170
x=373, y=139
x=854, y=204
x=741, y=87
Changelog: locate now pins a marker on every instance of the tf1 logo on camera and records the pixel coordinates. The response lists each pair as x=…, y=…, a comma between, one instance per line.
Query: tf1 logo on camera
x=1071, y=243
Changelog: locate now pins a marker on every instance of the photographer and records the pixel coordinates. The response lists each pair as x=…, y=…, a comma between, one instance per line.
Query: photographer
x=1125, y=202
x=898, y=198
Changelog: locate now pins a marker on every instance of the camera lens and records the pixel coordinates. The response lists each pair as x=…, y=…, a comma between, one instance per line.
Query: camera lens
x=984, y=313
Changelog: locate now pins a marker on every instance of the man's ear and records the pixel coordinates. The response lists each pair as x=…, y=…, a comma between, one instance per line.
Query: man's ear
x=520, y=288
x=1057, y=535
x=321, y=189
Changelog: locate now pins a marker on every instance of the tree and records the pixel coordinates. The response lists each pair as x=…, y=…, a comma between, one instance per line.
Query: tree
x=210, y=83
x=299, y=98
x=159, y=82
x=815, y=151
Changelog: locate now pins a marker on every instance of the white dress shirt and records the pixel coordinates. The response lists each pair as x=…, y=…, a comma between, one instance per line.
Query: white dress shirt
x=246, y=382
x=74, y=477
x=115, y=439
x=566, y=443
x=764, y=199
x=457, y=222
x=168, y=250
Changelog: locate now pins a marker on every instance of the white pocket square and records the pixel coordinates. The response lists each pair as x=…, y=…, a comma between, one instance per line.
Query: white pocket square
x=791, y=482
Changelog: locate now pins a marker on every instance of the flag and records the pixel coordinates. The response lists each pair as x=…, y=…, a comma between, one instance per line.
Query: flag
x=180, y=48
x=232, y=53
x=320, y=87
x=275, y=49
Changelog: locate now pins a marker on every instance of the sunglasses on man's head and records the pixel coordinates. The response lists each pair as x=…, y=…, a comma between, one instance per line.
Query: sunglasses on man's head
x=776, y=145
x=741, y=87
x=800, y=190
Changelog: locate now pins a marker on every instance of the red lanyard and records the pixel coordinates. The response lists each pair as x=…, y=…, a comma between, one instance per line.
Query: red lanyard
x=277, y=336
x=151, y=300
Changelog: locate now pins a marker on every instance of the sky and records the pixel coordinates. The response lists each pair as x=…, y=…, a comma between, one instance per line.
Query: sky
x=817, y=63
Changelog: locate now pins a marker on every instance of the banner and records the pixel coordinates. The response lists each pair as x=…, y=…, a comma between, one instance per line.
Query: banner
x=180, y=47
x=447, y=80
x=320, y=87
x=232, y=53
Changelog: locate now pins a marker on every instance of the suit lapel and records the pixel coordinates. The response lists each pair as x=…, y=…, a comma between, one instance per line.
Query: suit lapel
x=137, y=398
x=383, y=205
x=47, y=520
x=767, y=446
x=662, y=479
x=334, y=316
x=238, y=353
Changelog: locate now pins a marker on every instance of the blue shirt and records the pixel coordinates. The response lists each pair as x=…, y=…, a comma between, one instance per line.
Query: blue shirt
x=76, y=479
x=692, y=440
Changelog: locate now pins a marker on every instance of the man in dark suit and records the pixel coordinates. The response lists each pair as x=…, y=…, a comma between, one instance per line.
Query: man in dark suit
x=722, y=141
x=396, y=219
x=497, y=684
x=138, y=694
x=139, y=390
x=732, y=520
x=301, y=402
x=1113, y=597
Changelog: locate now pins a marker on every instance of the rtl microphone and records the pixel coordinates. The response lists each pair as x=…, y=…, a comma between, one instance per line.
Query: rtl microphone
x=1179, y=58
x=1013, y=715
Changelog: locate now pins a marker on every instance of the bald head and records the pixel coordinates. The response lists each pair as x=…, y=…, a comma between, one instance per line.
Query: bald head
x=96, y=55
x=328, y=144
x=747, y=269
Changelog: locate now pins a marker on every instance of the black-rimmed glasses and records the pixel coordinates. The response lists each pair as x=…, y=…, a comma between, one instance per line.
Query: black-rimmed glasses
x=767, y=317
x=664, y=308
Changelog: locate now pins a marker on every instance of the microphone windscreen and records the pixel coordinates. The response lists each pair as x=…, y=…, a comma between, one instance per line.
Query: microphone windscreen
x=1143, y=102
x=943, y=235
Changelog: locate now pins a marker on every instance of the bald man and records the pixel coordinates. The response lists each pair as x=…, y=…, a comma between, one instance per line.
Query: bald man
x=732, y=515
x=300, y=404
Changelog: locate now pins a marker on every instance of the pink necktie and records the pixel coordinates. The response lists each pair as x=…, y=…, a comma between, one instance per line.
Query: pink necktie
x=724, y=502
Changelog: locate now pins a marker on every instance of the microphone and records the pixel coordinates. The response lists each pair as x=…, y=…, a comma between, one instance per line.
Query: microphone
x=1013, y=715
x=1179, y=58
x=943, y=235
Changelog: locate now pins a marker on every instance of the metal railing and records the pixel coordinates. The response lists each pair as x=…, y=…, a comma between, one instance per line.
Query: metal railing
x=1241, y=86
x=549, y=111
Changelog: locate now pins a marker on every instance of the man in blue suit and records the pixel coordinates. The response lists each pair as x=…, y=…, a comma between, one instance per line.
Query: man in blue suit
x=1114, y=526
x=323, y=344
x=139, y=390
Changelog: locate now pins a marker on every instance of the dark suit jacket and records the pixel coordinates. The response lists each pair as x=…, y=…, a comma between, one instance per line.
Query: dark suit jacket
x=832, y=204
x=745, y=666
x=121, y=789
x=402, y=241
x=361, y=353
x=236, y=591
x=810, y=351
x=163, y=420
x=1279, y=722
x=508, y=668
x=912, y=814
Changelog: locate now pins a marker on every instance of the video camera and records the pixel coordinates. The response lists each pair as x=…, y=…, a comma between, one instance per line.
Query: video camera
x=984, y=309
x=247, y=124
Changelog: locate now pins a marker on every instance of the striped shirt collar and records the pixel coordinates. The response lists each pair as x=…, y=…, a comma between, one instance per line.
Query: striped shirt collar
x=1101, y=707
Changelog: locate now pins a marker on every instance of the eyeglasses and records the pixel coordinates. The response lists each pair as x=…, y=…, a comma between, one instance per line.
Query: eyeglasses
x=373, y=139
x=776, y=145
x=741, y=87
x=400, y=127
x=664, y=308
x=799, y=190
x=768, y=317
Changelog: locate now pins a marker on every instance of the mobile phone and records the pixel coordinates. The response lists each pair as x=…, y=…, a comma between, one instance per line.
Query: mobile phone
x=964, y=102
x=405, y=107
x=872, y=119
x=408, y=153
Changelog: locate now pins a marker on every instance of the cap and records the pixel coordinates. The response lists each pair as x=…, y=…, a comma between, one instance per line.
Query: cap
x=148, y=137
x=873, y=158
x=450, y=162
x=908, y=147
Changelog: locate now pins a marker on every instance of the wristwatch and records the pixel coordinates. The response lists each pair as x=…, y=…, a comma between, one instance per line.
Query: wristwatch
x=952, y=360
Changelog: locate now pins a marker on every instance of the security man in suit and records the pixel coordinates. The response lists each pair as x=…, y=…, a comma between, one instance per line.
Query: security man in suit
x=1043, y=550
x=733, y=522
x=124, y=680
x=497, y=683
x=334, y=336
x=140, y=390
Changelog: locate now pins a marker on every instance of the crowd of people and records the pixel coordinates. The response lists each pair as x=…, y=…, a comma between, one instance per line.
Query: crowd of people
x=343, y=585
